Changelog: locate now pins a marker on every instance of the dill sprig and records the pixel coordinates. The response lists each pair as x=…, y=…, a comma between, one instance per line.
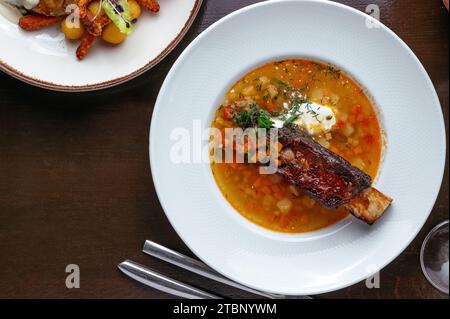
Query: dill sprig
x=254, y=116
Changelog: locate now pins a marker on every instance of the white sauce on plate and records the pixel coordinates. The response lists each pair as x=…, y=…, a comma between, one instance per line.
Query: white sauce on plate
x=27, y=4
x=12, y=9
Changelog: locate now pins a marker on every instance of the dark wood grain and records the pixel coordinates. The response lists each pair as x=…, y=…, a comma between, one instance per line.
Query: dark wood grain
x=75, y=183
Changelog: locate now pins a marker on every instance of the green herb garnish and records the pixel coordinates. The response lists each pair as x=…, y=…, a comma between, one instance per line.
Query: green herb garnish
x=255, y=116
x=297, y=103
x=329, y=70
x=245, y=119
x=264, y=120
x=282, y=84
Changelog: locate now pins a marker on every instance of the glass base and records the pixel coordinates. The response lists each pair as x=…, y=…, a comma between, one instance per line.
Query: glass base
x=434, y=257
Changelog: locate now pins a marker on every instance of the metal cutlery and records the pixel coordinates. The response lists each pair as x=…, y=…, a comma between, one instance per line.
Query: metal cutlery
x=156, y=250
x=163, y=283
x=166, y=284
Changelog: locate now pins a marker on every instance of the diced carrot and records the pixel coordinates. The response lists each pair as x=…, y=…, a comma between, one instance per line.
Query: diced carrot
x=298, y=84
x=271, y=217
x=277, y=191
x=270, y=106
x=360, y=118
x=357, y=109
x=352, y=119
x=347, y=154
x=284, y=221
x=340, y=124
x=257, y=183
x=228, y=112
x=369, y=139
x=366, y=122
x=358, y=150
x=249, y=206
x=266, y=190
x=246, y=173
x=264, y=181
x=278, y=196
x=304, y=219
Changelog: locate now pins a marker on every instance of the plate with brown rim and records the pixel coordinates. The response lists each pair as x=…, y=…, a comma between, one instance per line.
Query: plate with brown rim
x=44, y=58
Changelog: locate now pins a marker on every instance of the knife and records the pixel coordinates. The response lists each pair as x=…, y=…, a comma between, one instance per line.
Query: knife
x=163, y=283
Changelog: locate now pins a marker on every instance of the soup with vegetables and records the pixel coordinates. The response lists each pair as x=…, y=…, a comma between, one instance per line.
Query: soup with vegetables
x=311, y=96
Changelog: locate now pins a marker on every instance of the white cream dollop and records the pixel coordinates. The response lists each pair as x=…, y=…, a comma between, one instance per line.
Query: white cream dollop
x=312, y=117
x=315, y=118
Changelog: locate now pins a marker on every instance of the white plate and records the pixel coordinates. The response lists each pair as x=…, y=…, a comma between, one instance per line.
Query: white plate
x=45, y=59
x=411, y=173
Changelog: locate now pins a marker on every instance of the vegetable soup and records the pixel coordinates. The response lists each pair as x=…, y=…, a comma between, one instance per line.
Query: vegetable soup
x=310, y=96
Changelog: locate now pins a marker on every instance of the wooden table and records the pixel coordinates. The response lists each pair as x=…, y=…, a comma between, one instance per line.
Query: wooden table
x=75, y=185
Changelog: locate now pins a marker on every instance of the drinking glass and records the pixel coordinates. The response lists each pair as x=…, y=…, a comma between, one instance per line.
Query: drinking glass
x=434, y=257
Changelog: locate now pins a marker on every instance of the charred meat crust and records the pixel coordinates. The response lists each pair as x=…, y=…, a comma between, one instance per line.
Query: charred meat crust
x=318, y=172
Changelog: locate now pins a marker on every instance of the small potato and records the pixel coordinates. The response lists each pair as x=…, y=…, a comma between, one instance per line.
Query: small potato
x=249, y=91
x=284, y=205
x=317, y=95
x=349, y=130
x=335, y=98
x=294, y=190
x=135, y=9
x=71, y=31
x=93, y=8
x=112, y=34
x=358, y=162
x=273, y=92
x=308, y=202
x=264, y=80
x=322, y=141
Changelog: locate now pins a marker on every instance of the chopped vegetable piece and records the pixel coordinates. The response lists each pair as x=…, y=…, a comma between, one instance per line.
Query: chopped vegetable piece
x=119, y=13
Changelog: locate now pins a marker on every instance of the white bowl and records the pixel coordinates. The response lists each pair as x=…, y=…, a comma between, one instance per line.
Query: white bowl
x=411, y=173
x=46, y=59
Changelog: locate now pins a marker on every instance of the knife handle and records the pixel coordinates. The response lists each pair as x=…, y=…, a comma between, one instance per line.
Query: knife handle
x=163, y=283
x=175, y=258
